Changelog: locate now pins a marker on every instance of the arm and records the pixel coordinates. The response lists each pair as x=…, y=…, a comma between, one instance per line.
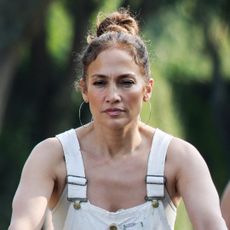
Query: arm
x=35, y=187
x=225, y=205
x=195, y=185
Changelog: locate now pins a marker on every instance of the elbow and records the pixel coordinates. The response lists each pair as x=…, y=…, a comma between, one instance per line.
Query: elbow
x=22, y=225
x=212, y=223
x=17, y=226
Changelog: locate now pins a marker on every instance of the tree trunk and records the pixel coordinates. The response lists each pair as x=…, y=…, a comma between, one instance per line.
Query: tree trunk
x=8, y=64
x=219, y=93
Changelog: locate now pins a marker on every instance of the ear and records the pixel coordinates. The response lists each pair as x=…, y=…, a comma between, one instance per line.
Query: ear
x=148, y=90
x=83, y=88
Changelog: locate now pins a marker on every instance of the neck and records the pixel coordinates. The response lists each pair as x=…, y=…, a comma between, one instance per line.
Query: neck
x=116, y=142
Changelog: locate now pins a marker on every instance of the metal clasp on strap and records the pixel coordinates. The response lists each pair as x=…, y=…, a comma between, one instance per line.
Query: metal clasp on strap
x=76, y=190
x=77, y=199
x=155, y=179
x=154, y=200
x=155, y=188
x=76, y=180
x=77, y=203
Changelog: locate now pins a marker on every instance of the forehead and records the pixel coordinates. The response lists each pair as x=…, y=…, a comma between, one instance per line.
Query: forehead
x=114, y=61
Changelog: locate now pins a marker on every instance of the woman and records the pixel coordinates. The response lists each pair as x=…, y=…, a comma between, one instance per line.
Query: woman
x=113, y=173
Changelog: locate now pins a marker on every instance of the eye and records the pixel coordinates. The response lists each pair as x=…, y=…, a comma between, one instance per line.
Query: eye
x=127, y=83
x=99, y=83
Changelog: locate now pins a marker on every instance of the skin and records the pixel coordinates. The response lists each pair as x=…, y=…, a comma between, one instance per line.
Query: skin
x=225, y=205
x=119, y=144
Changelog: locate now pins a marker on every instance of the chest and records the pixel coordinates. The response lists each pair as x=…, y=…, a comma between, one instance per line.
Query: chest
x=118, y=184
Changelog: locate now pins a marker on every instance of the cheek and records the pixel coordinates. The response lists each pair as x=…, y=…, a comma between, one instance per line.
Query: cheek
x=95, y=100
x=137, y=93
x=94, y=95
x=135, y=98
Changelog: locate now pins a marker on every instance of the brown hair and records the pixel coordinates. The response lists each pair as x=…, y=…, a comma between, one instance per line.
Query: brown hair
x=119, y=29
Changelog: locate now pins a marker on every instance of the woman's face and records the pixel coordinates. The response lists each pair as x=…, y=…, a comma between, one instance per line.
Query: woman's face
x=115, y=89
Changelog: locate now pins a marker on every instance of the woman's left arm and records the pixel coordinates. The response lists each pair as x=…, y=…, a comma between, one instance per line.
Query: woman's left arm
x=195, y=185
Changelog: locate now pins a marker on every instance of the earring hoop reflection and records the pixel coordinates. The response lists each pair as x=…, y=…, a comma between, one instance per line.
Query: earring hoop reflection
x=80, y=115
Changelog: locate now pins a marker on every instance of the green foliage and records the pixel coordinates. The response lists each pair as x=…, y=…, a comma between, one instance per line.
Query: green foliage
x=163, y=114
x=182, y=220
x=177, y=44
x=106, y=7
x=60, y=33
x=109, y=6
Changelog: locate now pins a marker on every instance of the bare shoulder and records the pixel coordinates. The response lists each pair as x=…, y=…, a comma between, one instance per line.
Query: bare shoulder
x=179, y=155
x=48, y=148
x=183, y=153
x=46, y=155
x=184, y=164
x=181, y=146
x=43, y=170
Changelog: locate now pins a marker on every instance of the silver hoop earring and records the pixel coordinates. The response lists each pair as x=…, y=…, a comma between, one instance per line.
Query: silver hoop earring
x=150, y=112
x=79, y=114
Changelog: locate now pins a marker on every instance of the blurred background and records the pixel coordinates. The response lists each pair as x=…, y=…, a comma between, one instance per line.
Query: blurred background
x=189, y=47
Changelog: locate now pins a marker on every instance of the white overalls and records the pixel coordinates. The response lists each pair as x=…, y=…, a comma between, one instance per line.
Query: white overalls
x=75, y=212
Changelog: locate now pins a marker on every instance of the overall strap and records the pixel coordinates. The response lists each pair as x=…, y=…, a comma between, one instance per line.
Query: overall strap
x=155, y=179
x=76, y=180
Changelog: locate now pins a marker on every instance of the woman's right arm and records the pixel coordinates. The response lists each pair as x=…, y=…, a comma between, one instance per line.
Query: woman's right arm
x=36, y=186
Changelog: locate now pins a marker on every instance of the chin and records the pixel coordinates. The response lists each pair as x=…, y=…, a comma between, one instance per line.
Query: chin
x=118, y=124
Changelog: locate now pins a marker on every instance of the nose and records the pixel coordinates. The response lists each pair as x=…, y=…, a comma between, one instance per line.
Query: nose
x=113, y=95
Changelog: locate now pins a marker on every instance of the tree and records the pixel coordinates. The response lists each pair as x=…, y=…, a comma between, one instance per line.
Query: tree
x=14, y=34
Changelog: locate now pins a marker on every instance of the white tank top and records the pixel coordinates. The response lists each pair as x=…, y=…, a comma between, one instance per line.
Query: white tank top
x=75, y=212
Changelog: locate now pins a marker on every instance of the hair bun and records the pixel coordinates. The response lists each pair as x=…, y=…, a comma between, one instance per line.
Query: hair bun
x=119, y=21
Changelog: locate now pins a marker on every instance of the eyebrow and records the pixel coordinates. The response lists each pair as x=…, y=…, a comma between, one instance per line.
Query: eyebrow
x=98, y=76
x=120, y=76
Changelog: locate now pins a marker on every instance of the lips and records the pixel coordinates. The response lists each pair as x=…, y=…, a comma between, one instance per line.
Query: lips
x=113, y=111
